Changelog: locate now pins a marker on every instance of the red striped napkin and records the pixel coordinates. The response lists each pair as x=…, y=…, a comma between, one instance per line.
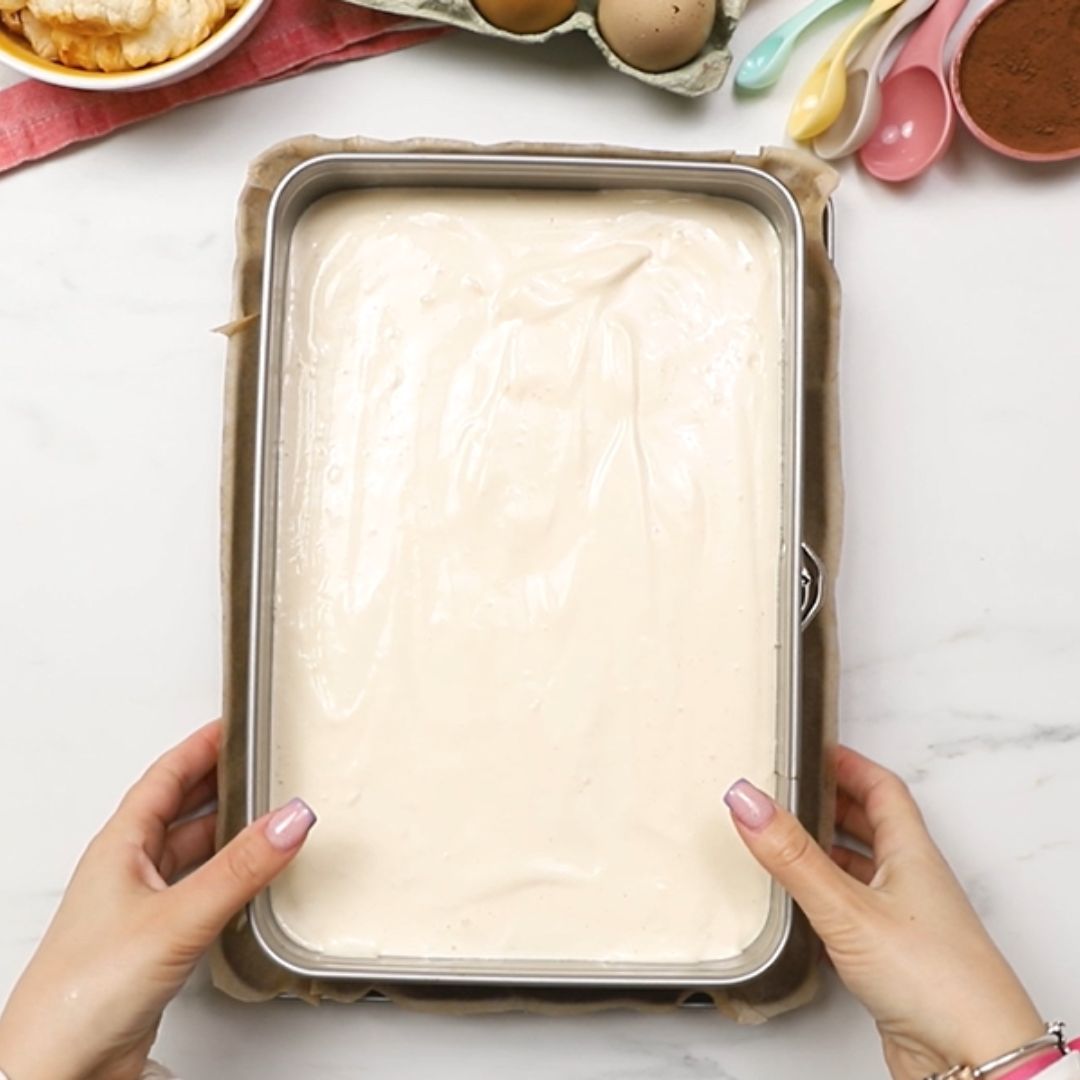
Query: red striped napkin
x=37, y=119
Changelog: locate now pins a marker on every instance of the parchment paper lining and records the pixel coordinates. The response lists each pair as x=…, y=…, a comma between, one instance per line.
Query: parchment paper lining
x=238, y=965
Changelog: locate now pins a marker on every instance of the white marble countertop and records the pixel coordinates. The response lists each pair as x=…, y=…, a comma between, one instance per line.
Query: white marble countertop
x=958, y=596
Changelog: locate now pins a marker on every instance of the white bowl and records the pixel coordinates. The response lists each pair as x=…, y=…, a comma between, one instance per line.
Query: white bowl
x=17, y=54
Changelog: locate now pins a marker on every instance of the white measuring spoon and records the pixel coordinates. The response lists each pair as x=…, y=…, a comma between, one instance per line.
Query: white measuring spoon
x=862, y=106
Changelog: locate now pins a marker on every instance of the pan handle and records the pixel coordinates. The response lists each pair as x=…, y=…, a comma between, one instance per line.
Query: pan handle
x=828, y=229
x=812, y=585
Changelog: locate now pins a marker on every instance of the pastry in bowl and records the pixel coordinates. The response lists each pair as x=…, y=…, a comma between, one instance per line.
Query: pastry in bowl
x=121, y=44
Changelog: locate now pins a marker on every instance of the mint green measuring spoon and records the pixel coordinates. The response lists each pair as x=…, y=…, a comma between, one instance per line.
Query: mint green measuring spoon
x=765, y=62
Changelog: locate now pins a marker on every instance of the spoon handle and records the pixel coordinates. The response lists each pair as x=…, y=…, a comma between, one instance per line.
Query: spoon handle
x=926, y=47
x=869, y=56
x=847, y=40
x=802, y=19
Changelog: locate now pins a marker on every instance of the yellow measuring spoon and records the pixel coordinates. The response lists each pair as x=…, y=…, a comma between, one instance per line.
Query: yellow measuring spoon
x=821, y=99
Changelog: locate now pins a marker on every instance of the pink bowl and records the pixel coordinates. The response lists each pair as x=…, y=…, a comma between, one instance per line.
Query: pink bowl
x=970, y=123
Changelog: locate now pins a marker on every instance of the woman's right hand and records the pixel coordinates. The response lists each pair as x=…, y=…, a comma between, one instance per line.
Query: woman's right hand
x=902, y=935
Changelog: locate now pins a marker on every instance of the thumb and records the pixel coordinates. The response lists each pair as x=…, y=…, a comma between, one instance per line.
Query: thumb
x=791, y=855
x=215, y=892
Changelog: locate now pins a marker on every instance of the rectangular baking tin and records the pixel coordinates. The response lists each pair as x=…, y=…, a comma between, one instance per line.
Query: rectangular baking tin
x=331, y=173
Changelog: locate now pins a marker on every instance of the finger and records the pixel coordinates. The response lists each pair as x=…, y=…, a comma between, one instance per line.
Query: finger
x=890, y=810
x=187, y=845
x=197, y=803
x=209, y=897
x=852, y=863
x=156, y=800
x=784, y=848
x=851, y=819
x=200, y=796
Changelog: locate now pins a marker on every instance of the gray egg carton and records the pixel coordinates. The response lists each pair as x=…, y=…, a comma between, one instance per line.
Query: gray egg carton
x=703, y=74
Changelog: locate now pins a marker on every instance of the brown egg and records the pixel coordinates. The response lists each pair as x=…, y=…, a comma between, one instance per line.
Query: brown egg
x=656, y=35
x=525, y=16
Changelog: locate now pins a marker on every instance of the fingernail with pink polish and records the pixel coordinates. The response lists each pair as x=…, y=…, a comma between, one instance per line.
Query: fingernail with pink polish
x=751, y=806
x=289, y=824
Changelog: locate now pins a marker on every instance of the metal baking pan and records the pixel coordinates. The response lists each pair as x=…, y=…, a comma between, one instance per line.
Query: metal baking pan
x=800, y=568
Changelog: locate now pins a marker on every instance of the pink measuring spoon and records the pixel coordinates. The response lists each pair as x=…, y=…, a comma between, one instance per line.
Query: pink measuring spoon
x=917, y=114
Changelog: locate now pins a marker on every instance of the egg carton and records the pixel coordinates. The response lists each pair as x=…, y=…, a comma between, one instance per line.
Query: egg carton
x=701, y=75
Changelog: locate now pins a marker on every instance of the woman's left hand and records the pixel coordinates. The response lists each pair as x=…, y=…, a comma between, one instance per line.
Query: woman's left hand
x=131, y=925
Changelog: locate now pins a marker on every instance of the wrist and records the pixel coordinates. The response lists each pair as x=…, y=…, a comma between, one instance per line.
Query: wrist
x=26, y=1054
x=1021, y=1062
x=18, y=1063
x=16, y=1059
x=984, y=1043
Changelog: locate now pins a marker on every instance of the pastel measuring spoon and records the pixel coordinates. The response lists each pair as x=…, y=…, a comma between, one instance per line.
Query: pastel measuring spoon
x=821, y=98
x=917, y=113
x=767, y=59
x=862, y=104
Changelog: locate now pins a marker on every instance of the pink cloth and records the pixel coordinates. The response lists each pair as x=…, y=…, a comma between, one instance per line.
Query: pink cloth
x=37, y=119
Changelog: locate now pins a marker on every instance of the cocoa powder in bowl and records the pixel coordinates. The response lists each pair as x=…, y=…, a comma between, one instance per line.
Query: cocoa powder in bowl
x=1019, y=76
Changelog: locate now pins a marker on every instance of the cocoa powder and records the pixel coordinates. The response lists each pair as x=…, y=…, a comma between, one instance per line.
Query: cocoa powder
x=1020, y=75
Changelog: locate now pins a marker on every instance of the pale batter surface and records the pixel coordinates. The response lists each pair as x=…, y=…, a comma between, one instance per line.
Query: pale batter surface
x=528, y=574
